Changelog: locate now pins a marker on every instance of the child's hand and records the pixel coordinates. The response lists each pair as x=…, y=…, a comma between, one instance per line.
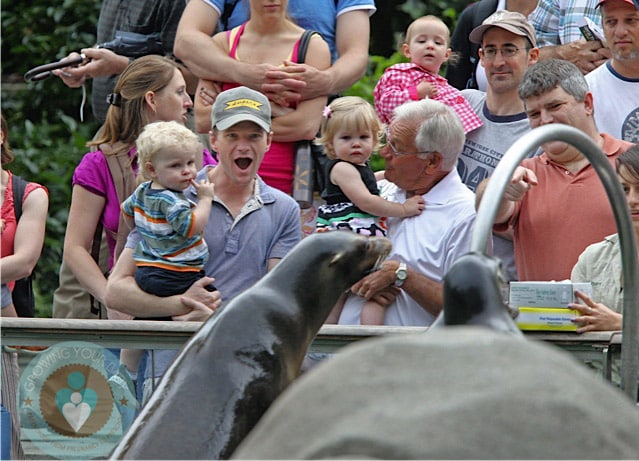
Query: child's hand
x=426, y=90
x=1, y=225
x=414, y=206
x=205, y=189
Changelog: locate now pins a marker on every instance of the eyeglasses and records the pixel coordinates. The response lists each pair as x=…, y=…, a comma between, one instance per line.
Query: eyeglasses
x=385, y=141
x=506, y=52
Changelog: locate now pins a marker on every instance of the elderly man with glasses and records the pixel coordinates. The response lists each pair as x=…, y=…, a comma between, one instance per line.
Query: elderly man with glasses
x=421, y=150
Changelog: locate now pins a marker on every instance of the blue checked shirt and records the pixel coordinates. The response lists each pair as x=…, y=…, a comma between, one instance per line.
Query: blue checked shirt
x=555, y=21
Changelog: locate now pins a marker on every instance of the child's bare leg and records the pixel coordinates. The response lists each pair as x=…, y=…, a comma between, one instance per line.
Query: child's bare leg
x=373, y=313
x=333, y=317
x=131, y=359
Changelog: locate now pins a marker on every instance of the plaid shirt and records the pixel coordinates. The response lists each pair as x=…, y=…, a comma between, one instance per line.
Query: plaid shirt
x=399, y=83
x=555, y=21
x=141, y=16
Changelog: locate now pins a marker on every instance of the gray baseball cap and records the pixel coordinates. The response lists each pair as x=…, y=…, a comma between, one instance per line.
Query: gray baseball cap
x=511, y=21
x=239, y=105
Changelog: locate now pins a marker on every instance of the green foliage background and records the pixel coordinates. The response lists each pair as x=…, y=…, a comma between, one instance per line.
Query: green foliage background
x=45, y=130
x=44, y=125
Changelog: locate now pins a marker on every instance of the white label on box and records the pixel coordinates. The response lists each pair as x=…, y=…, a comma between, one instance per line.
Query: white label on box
x=545, y=294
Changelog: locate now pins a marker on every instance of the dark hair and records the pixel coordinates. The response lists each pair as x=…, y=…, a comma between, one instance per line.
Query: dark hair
x=629, y=160
x=7, y=153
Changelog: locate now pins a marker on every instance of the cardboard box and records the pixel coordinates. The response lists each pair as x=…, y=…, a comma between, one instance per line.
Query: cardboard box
x=546, y=319
x=544, y=305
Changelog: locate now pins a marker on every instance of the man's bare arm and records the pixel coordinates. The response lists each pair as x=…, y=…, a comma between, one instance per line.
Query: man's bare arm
x=587, y=56
x=425, y=291
x=193, y=44
x=193, y=37
x=428, y=293
x=521, y=182
x=124, y=294
x=195, y=47
x=352, y=39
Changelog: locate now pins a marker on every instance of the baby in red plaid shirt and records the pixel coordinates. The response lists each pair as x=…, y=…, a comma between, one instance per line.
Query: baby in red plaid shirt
x=427, y=46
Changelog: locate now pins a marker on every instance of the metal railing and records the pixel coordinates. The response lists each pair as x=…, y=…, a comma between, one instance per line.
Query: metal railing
x=40, y=442
x=142, y=334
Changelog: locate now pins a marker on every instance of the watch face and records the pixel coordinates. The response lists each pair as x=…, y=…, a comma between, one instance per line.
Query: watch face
x=400, y=275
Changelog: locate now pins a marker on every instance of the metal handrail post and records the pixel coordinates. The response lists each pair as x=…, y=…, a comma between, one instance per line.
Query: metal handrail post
x=494, y=193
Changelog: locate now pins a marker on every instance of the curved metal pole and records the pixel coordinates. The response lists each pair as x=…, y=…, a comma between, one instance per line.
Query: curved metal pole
x=493, y=195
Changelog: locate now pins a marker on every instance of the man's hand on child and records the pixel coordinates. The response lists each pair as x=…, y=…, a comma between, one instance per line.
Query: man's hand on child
x=201, y=302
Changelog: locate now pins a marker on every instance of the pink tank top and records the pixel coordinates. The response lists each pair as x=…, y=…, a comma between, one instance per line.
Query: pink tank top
x=278, y=166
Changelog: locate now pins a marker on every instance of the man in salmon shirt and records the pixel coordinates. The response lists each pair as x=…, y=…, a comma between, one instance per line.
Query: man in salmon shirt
x=555, y=202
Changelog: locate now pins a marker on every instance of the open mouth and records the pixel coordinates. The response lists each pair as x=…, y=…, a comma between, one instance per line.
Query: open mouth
x=378, y=263
x=383, y=246
x=243, y=163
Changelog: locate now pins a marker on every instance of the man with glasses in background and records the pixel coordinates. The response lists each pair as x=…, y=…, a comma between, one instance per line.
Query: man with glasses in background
x=421, y=150
x=507, y=48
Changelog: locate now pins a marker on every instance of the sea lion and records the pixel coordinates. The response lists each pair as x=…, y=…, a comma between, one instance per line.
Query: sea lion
x=476, y=293
x=454, y=393
x=242, y=358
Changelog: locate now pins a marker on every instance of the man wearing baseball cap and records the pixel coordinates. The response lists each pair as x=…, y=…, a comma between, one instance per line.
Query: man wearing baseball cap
x=251, y=227
x=507, y=49
x=239, y=105
x=615, y=85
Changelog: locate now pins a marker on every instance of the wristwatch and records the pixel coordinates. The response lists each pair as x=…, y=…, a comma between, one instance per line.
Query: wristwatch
x=400, y=275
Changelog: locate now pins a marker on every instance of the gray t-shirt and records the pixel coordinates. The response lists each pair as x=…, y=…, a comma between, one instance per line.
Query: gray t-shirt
x=483, y=149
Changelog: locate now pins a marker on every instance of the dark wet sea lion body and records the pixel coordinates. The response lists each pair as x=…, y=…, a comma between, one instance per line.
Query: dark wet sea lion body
x=459, y=392
x=476, y=293
x=244, y=356
x=463, y=390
